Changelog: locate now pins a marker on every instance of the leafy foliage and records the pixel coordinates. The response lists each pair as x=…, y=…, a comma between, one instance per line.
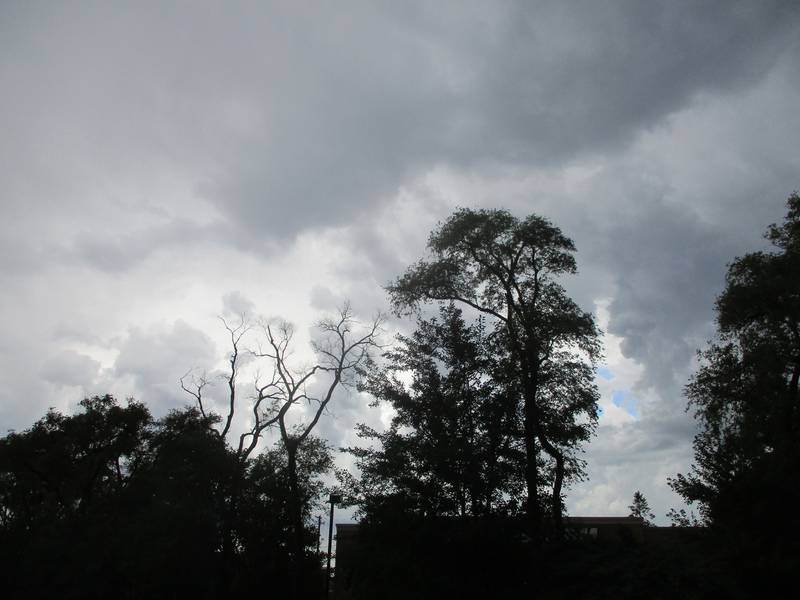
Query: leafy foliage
x=640, y=508
x=745, y=397
x=508, y=269
x=681, y=518
x=454, y=444
x=109, y=501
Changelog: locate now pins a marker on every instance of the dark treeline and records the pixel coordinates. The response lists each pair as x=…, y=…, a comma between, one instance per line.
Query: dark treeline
x=490, y=426
x=112, y=503
x=493, y=398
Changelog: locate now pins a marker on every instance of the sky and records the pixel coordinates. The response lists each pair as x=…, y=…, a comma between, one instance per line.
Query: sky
x=165, y=163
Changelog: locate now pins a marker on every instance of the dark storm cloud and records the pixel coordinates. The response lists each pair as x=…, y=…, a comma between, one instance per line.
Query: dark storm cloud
x=293, y=117
x=518, y=84
x=668, y=268
x=666, y=264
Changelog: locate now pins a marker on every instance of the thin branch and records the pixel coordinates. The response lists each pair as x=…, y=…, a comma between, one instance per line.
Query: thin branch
x=198, y=384
x=236, y=334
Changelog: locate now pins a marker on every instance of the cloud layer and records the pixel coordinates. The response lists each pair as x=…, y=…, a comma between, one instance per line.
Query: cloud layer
x=161, y=165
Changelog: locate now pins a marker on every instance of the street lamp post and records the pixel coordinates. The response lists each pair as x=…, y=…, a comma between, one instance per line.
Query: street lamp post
x=333, y=500
x=319, y=532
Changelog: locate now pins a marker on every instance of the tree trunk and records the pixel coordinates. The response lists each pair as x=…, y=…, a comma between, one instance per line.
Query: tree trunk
x=530, y=421
x=229, y=509
x=533, y=431
x=532, y=472
x=558, y=517
x=791, y=402
x=296, y=516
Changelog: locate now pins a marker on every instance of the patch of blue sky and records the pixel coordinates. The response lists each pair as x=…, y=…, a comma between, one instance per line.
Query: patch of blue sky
x=605, y=373
x=626, y=402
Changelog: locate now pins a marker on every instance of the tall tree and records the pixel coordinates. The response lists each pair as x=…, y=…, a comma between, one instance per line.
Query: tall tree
x=745, y=397
x=508, y=269
x=453, y=447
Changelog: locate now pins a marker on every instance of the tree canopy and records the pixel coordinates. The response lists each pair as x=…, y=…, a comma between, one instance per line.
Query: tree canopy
x=509, y=269
x=454, y=444
x=111, y=501
x=745, y=397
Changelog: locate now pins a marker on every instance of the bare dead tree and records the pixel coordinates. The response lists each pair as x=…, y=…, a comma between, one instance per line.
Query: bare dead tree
x=195, y=385
x=344, y=346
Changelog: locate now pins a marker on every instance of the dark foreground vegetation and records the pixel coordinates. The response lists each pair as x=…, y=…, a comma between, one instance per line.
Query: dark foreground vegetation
x=403, y=556
x=493, y=397
x=112, y=503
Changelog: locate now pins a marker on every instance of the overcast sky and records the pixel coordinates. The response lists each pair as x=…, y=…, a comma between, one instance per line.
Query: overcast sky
x=165, y=163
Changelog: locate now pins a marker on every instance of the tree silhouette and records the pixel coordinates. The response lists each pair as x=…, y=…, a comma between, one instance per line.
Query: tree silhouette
x=641, y=508
x=507, y=269
x=109, y=501
x=291, y=400
x=342, y=348
x=745, y=397
x=454, y=445
x=680, y=518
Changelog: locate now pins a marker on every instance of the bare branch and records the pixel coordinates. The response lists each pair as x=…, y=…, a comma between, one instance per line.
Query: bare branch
x=196, y=391
x=340, y=352
x=236, y=333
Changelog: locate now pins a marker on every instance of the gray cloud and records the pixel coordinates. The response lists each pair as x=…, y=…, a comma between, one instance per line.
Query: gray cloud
x=237, y=304
x=636, y=456
x=322, y=298
x=516, y=85
x=288, y=119
x=69, y=367
x=24, y=394
x=157, y=359
x=154, y=158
